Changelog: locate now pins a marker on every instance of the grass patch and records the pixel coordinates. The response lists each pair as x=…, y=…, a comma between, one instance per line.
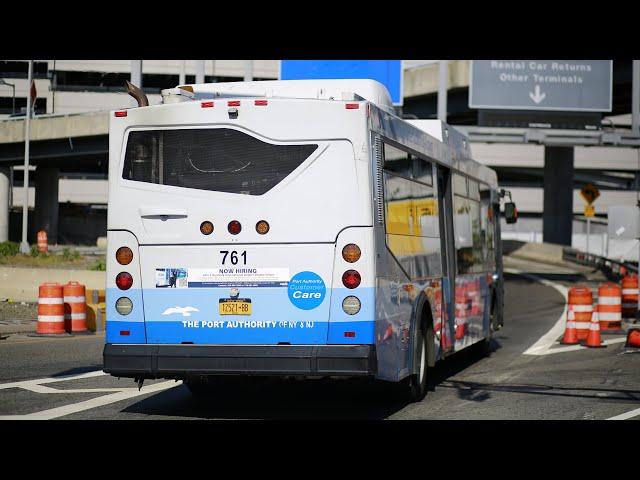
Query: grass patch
x=67, y=259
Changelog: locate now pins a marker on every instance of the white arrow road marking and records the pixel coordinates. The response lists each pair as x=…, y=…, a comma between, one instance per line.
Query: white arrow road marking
x=118, y=394
x=537, y=97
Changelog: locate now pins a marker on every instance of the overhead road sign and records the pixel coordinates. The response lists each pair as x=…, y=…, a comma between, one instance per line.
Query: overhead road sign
x=387, y=72
x=568, y=85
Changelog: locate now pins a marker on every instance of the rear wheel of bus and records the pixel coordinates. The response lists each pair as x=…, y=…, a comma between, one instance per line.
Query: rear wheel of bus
x=415, y=385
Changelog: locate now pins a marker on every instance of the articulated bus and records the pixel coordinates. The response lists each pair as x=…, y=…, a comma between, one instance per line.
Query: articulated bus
x=295, y=228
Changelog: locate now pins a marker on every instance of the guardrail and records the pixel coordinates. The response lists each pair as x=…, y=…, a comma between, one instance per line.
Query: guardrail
x=612, y=269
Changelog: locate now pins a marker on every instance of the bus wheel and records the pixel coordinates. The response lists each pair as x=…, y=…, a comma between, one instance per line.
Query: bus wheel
x=416, y=384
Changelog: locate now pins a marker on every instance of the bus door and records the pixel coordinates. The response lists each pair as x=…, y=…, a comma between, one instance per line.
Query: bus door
x=445, y=199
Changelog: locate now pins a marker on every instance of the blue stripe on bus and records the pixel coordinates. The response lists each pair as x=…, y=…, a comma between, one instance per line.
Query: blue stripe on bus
x=267, y=306
x=118, y=331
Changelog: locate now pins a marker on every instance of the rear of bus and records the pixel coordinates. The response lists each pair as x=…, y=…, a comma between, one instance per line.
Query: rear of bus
x=240, y=239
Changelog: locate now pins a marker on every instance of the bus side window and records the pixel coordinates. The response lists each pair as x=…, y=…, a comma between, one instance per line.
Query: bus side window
x=397, y=161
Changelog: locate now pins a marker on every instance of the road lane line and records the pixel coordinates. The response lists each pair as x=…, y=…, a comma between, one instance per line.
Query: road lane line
x=548, y=339
x=572, y=348
x=45, y=389
x=93, y=403
x=627, y=415
x=41, y=381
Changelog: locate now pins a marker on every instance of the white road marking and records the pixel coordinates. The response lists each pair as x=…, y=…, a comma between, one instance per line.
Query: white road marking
x=115, y=394
x=548, y=339
x=41, y=381
x=125, y=394
x=572, y=348
x=627, y=415
x=544, y=345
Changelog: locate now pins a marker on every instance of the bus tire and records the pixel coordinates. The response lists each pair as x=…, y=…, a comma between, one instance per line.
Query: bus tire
x=415, y=385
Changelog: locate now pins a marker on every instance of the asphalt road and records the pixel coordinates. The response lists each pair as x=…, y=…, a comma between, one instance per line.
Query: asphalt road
x=505, y=384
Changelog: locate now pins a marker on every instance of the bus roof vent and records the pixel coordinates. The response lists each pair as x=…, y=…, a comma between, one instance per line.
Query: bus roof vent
x=342, y=89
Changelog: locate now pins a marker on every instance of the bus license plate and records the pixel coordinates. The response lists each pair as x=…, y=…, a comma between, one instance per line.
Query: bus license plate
x=240, y=306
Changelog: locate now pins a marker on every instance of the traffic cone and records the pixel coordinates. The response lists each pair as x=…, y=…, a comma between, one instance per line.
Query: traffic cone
x=593, y=338
x=570, y=332
x=633, y=338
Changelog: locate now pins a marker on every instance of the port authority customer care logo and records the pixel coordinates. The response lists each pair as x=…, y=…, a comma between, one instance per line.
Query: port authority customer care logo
x=306, y=290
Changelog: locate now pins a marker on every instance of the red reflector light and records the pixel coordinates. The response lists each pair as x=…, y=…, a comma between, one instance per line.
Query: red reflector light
x=350, y=334
x=233, y=103
x=234, y=227
x=125, y=333
x=124, y=281
x=352, y=106
x=206, y=105
x=122, y=113
x=261, y=102
x=351, y=279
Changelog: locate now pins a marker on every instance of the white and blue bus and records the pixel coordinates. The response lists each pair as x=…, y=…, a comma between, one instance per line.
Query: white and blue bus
x=295, y=228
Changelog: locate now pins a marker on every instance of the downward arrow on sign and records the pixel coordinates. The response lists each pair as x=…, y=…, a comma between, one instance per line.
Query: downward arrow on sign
x=537, y=97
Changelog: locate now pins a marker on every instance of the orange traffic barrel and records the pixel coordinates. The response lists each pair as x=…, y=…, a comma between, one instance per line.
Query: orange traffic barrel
x=75, y=307
x=610, y=307
x=629, y=296
x=43, y=246
x=50, y=309
x=580, y=310
x=633, y=338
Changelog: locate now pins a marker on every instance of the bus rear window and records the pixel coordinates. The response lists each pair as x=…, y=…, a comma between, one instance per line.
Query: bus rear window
x=216, y=159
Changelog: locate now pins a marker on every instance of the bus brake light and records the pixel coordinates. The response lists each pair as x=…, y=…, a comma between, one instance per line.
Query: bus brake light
x=351, y=279
x=124, y=281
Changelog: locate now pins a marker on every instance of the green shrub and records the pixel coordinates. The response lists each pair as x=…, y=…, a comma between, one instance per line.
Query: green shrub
x=100, y=266
x=9, y=249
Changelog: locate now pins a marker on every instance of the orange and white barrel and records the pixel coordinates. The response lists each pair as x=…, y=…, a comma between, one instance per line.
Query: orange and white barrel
x=75, y=307
x=43, y=246
x=629, y=296
x=610, y=306
x=580, y=309
x=50, y=309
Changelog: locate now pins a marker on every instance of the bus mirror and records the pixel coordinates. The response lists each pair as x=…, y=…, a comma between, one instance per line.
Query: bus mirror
x=510, y=212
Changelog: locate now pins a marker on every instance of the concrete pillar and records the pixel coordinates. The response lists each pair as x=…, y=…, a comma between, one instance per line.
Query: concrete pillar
x=199, y=71
x=46, y=203
x=136, y=78
x=5, y=189
x=557, y=215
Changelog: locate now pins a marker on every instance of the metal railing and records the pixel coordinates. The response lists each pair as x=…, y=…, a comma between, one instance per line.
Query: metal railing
x=612, y=269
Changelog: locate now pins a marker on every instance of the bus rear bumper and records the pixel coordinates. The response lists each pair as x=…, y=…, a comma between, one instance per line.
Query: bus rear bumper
x=178, y=361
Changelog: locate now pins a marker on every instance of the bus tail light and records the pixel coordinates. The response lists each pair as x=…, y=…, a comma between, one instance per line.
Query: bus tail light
x=262, y=227
x=124, y=306
x=261, y=103
x=234, y=227
x=351, y=253
x=124, y=255
x=121, y=113
x=351, y=279
x=351, y=305
x=124, y=280
x=206, y=228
